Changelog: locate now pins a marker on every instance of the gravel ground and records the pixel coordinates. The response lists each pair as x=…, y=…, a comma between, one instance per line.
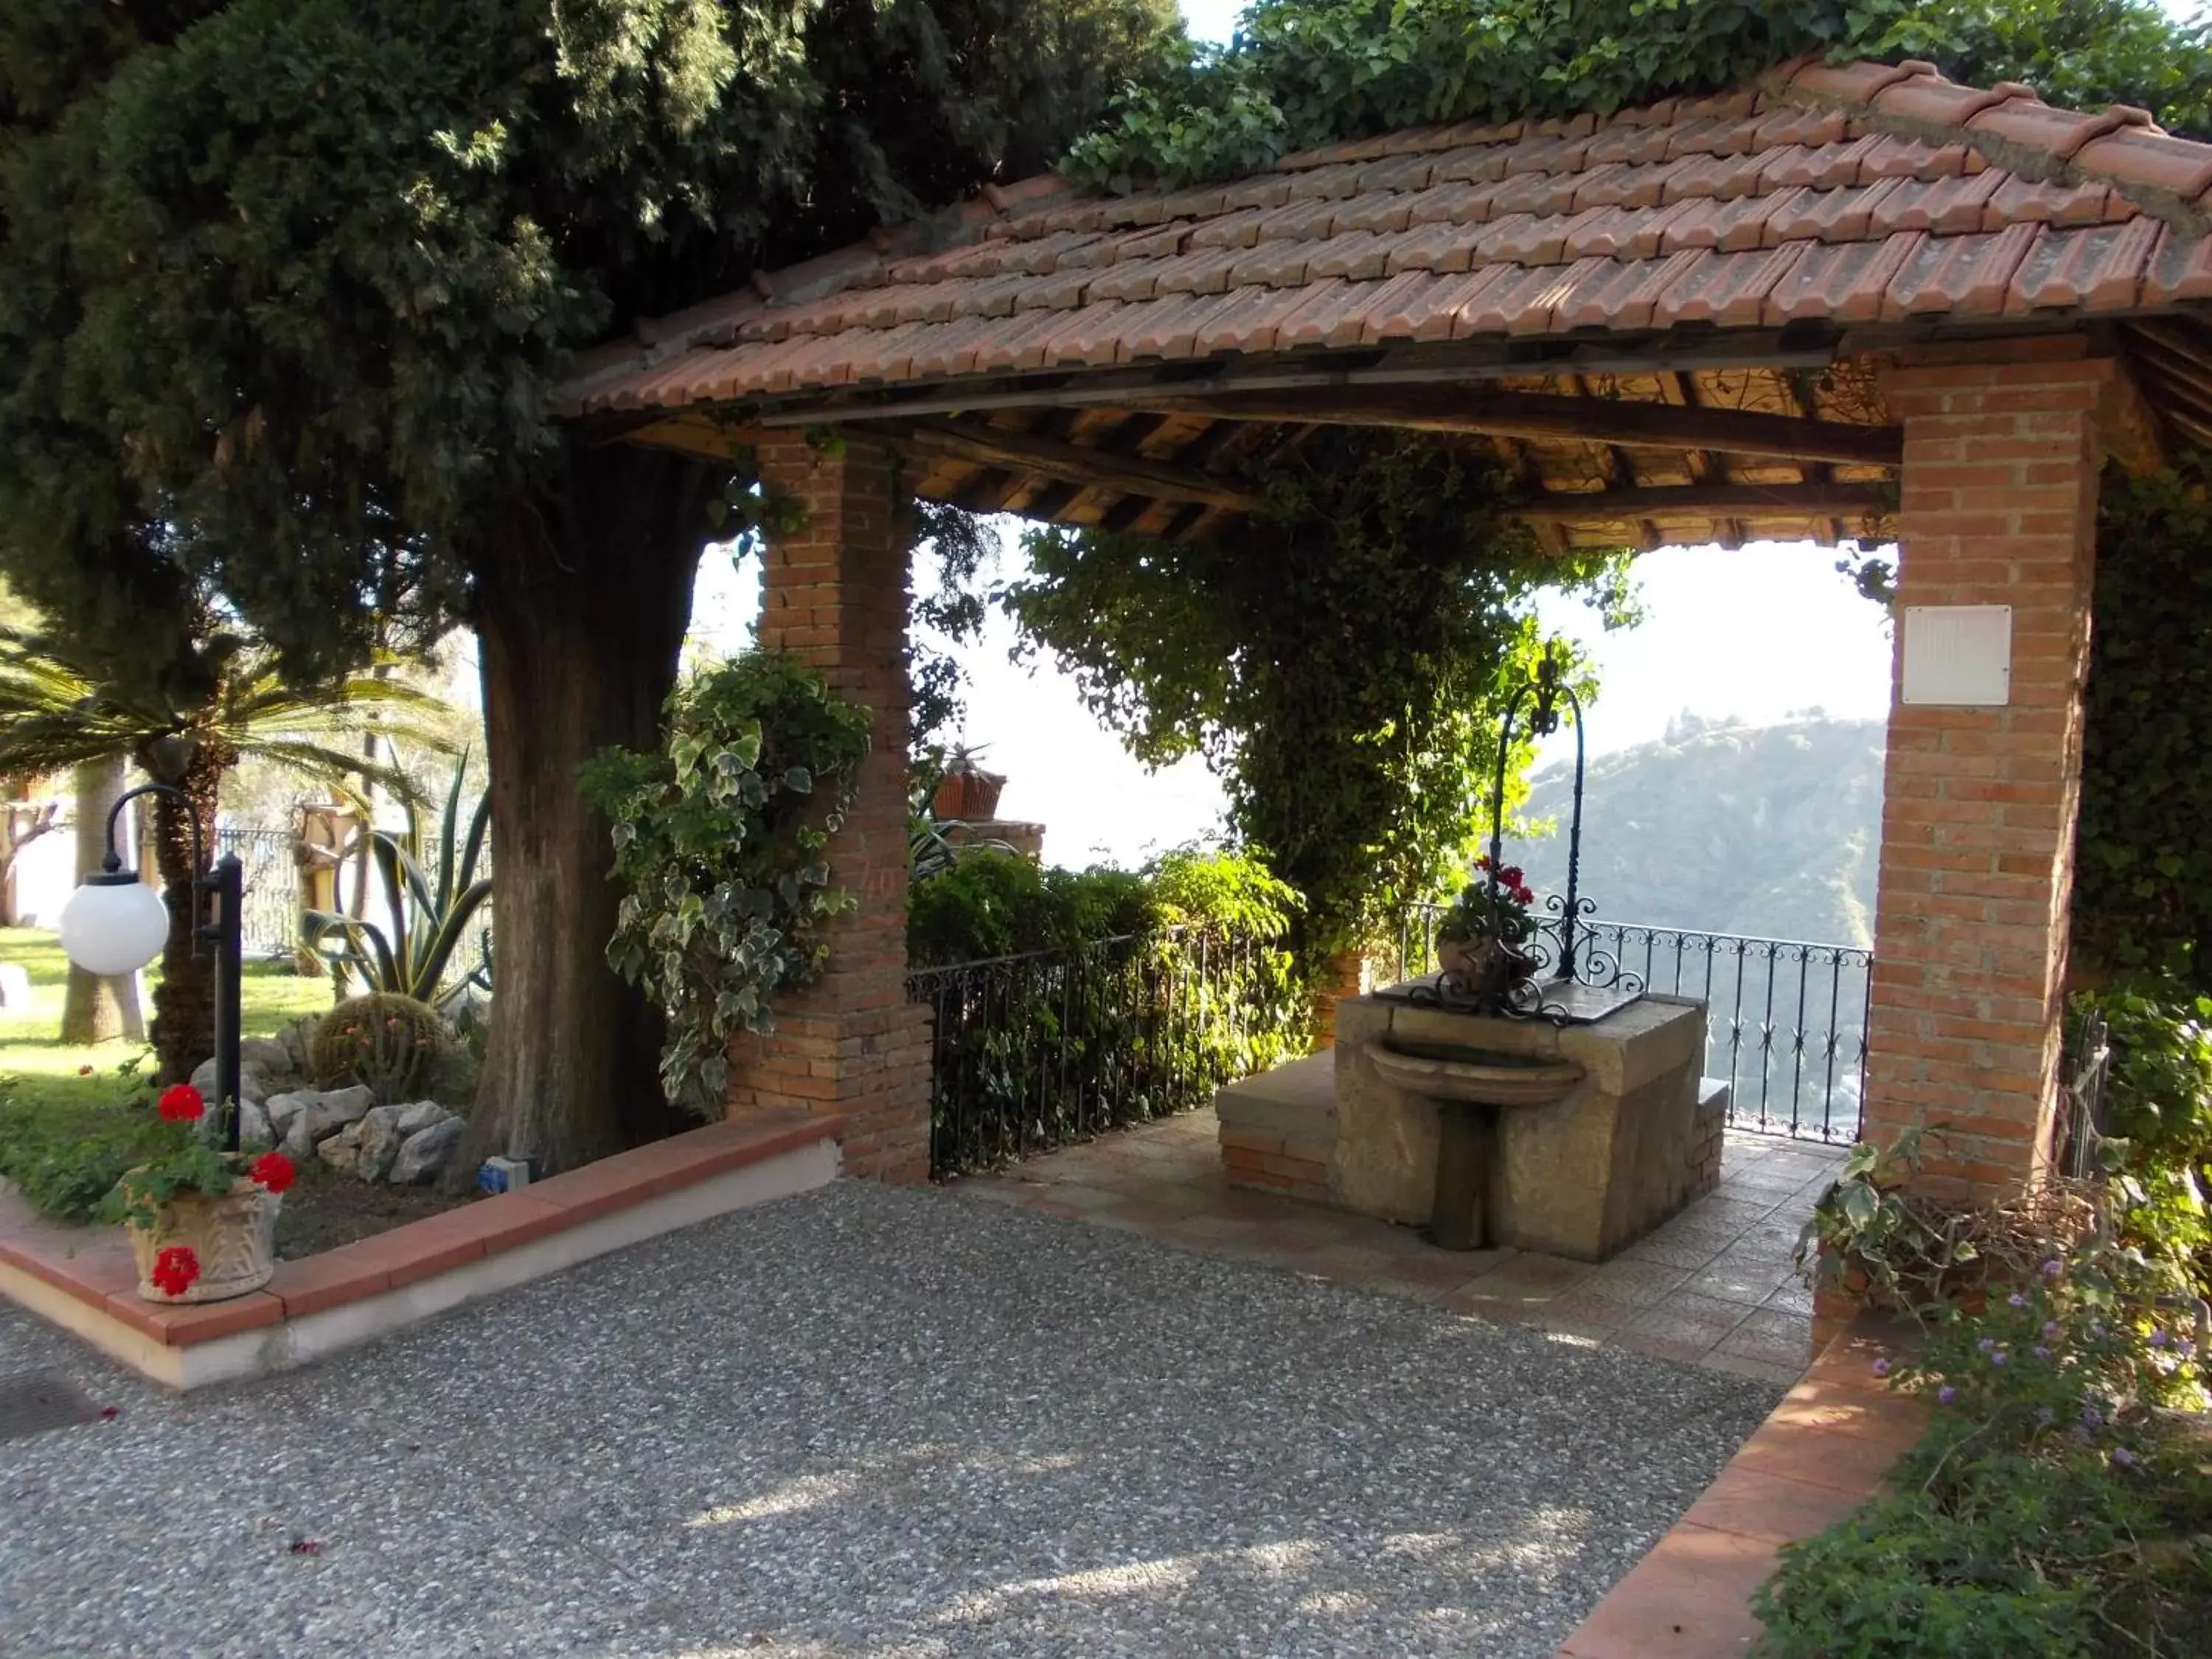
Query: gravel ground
x=868, y=1422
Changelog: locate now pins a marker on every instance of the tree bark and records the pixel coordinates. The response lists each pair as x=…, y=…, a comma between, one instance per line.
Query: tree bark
x=183, y=1002
x=95, y=1009
x=580, y=609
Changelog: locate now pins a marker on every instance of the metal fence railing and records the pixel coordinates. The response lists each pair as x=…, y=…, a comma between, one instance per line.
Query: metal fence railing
x=1030, y=1052
x=1786, y=1018
x=271, y=913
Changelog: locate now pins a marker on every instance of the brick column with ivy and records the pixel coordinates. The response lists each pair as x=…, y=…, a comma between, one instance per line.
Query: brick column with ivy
x=2002, y=447
x=836, y=597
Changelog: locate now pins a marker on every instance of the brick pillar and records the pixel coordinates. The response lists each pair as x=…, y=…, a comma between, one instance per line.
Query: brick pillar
x=1348, y=979
x=836, y=597
x=1998, y=507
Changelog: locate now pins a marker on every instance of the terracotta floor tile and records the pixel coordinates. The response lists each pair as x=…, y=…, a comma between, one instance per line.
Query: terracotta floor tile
x=1688, y=1599
x=182, y=1325
x=1770, y=1507
x=1844, y=1462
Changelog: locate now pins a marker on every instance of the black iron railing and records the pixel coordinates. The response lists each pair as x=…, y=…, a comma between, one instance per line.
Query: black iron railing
x=1786, y=1018
x=1031, y=1052
x=271, y=916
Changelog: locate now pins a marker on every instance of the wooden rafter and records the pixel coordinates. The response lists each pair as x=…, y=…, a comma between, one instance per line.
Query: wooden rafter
x=1069, y=463
x=1525, y=414
x=1749, y=501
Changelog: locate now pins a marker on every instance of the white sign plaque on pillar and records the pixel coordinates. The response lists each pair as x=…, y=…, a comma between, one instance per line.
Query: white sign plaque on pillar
x=1958, y=655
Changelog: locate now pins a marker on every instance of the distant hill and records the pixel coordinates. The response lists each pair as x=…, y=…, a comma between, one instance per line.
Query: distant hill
x=1770, y=830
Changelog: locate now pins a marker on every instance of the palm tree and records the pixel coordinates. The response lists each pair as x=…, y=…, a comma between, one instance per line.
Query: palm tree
x=58, y=710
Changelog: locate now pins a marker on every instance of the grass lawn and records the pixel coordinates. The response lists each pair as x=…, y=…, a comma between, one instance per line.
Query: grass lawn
x=72, y=1119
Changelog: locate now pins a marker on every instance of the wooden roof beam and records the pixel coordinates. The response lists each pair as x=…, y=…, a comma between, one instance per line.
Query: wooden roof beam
x=1809, y=501
x=1522, y=414
x=1051, y=457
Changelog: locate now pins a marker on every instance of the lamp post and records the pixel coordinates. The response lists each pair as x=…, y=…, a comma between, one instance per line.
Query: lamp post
x=115, y=924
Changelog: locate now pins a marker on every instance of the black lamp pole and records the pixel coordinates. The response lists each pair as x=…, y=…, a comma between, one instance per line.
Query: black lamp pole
x=225, y=931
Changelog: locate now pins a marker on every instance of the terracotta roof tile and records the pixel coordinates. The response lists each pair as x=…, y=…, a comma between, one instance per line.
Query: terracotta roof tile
x=1946, y=206
x=2181, y=270
x=1846, y=281
x=1729, y=289
x=1844, y=193
x=2103, y=268
x=2176, y=167
x=1959, y=273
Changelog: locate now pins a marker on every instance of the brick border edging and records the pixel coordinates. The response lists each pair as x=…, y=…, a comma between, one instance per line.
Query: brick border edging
x=1821, y=1454
x=91, y=1288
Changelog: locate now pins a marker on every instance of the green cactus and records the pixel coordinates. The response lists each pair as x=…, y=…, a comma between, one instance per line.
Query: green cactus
x=393, y=1043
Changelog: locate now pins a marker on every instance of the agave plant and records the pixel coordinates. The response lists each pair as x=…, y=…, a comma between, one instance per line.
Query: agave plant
x=430, y=910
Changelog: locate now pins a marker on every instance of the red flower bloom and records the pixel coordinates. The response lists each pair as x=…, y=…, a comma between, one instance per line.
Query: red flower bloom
x=1524, y=896
x=273, y=1170
x=180, y=1103
x=175, y=1269
x=1511, y=876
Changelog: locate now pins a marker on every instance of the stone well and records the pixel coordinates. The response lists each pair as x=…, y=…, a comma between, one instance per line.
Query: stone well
x=1583, y=1176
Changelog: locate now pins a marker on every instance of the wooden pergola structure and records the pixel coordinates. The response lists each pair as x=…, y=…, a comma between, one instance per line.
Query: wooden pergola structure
x=1856, y=300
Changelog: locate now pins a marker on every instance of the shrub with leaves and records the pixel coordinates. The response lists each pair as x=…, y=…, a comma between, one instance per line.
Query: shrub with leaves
x=1306, y=72
x=720, y=839
x=2061, y=1504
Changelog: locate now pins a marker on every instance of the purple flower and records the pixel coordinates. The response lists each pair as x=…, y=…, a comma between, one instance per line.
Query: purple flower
x=1881, y=1368
x=2158, y=1337
x=2017, y=1299
x=2092, y=1418
x=2053, y=1268
x=2123, y=1458
x=2184, y=1347
x=2080, y=1434
x=2051, y=1329
x=1998, y=1357
x=1986, y=1344
x=2041, y=1352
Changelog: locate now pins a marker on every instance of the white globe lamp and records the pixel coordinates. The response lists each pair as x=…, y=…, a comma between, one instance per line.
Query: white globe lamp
x=113, y=924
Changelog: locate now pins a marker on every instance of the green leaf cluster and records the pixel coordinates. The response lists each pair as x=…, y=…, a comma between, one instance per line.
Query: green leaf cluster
x=2142, y=884
x=2060, y=1505
x=430, y=910
x=1340, y=658
x=1307, y=72
x=721, y=846
x=1128, y=995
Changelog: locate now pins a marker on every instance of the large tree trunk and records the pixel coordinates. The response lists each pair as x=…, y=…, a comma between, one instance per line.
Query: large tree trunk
x=96, y=1010
x=183, y=1002
x=580, y=609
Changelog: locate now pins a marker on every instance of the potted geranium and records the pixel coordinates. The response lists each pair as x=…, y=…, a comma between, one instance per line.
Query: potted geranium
x=202, y=1221
x=968, y=792
x=1480, y=938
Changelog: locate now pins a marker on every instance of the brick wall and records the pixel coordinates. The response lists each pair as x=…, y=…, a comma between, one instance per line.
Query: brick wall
x=1998, y=507
x=1273, y=1164
x=1707, y=1140
x=1347, y=978
x=836, y=597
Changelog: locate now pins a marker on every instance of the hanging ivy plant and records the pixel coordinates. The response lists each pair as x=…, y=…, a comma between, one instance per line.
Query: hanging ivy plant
x=1340, y=657
x=720, y=839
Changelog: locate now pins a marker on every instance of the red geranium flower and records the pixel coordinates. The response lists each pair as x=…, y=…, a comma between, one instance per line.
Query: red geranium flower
x=180, y=1103
x=273, y=1170
x=175, y=1269
x=1510, y=876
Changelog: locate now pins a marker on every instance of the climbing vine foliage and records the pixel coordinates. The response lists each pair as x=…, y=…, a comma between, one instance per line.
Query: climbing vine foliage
x=1340, y=657
x=1306, y=72
x=719, y=842
x=2143, y=897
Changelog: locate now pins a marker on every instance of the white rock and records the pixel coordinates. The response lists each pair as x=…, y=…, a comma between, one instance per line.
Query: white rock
x=270, y=1055
x=377, y=1137
x=254, y=1128
x=15, y=985
x=427, y=1153
x=252, y=1081
x=321, y=1113
x=420, y=1115
x=338, y=1154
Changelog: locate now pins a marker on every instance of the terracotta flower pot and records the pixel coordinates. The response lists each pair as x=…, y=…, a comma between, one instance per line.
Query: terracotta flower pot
x=971, y=797
x=1483, y=967
x=233, y=1236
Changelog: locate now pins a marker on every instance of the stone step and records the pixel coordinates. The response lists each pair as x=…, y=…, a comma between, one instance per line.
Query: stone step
x=1293, y=1102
